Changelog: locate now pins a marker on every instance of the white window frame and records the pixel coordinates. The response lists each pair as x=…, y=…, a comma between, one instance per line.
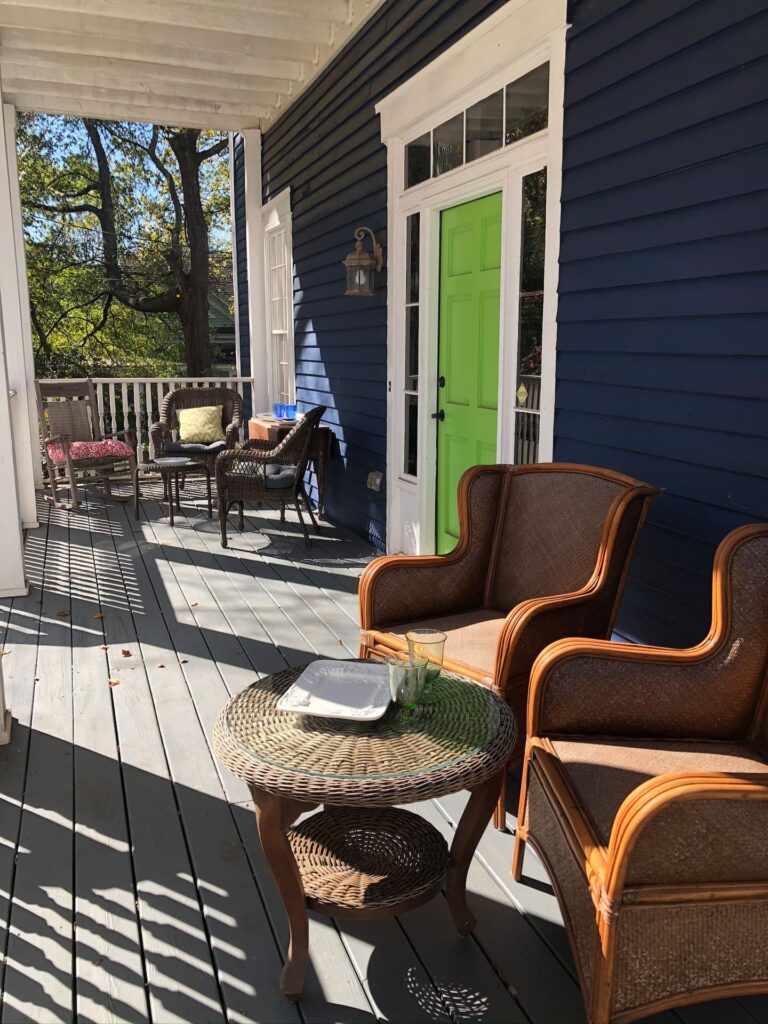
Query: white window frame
x=513, y=41
x=276, y=220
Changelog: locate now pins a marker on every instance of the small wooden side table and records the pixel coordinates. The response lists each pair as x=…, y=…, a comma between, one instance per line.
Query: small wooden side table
x=267, y=428
x=362, y=855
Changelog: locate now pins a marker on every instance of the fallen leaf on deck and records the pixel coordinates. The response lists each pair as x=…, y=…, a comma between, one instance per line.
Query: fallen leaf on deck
x=185, y=661
x=104, y=647
x=98, y=615
x=193, y=604
x=113, y=682
x=63, y=613
x=2, y=653
x=161, y=666
x=126, y=653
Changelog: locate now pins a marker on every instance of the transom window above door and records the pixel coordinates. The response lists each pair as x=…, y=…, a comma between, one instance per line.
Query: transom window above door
x=507, y=115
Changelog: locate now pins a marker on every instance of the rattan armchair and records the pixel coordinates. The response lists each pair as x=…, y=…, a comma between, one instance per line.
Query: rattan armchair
x=645, y=791
x=262, y=471
x=73, y=444
x=543, y=552
x=162, y=433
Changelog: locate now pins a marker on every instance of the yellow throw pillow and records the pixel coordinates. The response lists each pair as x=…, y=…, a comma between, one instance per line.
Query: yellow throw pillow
x=200, y=426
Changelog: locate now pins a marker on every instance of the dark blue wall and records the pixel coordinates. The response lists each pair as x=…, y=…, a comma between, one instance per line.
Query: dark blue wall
x=327, y=148
x=662, y=360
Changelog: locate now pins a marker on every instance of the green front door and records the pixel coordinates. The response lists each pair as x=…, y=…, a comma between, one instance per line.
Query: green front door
x=468, y=358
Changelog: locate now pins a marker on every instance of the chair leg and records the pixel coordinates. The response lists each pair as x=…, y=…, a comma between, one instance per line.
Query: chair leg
x=240, y=516
x=282, y=512
x=309, y=508
x=500, y=814
x=223, y=510
x=519, y=851
x=307, y=539
x=208, y=488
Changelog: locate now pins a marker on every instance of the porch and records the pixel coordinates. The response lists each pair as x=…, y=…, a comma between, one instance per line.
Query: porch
x=131, y=879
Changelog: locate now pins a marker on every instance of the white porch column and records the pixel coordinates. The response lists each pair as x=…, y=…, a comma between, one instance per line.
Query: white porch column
x=254, y=244
x=17, y=327
x=12, y=581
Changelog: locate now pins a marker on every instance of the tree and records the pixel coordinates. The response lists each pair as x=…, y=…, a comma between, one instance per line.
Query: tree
x=118, y=221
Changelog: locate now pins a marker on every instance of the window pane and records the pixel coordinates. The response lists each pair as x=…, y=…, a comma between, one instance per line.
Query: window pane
x=417, y=154
x=448, y=145
x=412, y=259
x=485, y=126
x=532, y=279
x=527, y=101
x=412, y=348
x=411, y=433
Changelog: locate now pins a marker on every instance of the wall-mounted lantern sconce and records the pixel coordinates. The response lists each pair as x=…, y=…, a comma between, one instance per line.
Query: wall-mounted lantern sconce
x=362, y=266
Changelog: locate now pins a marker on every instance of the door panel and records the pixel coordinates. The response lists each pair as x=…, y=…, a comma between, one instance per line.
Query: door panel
x=468, y=356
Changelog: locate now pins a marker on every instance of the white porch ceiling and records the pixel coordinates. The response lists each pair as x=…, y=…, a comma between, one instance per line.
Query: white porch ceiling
x=225, y=64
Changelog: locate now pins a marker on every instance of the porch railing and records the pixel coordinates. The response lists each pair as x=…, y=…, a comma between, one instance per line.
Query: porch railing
x=133, y=403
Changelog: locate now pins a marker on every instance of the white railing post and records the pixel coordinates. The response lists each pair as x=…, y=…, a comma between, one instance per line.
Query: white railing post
x=6, y=720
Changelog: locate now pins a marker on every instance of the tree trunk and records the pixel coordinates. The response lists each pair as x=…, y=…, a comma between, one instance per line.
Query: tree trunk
x=193, y=303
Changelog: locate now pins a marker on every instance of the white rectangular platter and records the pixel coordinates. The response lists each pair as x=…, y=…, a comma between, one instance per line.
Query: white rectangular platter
x=355, y=690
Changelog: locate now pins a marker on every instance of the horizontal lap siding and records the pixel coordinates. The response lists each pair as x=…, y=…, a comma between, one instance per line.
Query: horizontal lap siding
x=327, y=149
x=662, y=367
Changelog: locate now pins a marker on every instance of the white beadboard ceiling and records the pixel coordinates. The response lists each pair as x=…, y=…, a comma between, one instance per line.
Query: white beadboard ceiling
x=225, y=64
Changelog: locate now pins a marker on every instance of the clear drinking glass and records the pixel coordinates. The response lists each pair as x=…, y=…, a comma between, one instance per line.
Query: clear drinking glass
x=427, y=645
x=406, y=682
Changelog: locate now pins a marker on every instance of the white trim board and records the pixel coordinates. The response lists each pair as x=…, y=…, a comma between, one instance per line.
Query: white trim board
x=517, y=38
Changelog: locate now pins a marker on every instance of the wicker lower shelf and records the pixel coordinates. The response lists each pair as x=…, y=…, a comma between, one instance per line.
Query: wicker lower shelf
x=368, y=860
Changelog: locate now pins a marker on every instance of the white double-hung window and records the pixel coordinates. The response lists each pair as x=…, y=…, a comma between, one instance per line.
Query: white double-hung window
x=278, y=265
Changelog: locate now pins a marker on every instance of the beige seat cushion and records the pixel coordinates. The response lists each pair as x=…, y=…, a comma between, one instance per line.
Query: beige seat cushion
x=471, y=636
x=603, y=771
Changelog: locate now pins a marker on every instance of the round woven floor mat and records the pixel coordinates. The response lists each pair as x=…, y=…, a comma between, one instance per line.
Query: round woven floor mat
x=359, y=858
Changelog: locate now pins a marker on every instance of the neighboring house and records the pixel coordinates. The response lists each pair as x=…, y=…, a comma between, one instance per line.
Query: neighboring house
x=581, y=189
x=221, y=328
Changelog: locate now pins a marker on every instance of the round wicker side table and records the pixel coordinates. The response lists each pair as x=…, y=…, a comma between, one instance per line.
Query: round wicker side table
x=361, y=856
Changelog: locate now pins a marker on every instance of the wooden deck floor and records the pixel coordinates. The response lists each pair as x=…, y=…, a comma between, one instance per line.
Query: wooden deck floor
x=131, y=880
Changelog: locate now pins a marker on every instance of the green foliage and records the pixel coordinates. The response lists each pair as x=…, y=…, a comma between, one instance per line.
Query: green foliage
x=79, y=326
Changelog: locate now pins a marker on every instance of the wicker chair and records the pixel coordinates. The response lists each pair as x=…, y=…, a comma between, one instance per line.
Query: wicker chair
x=162, y=433
x=645, y=790
x=543, y=553
x=260, y=472
x=73, y=443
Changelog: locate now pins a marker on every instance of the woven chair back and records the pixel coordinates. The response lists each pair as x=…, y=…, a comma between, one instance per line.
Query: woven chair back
x=549, y=530
x=68, y=407
x=296, y=447
x=194, y=398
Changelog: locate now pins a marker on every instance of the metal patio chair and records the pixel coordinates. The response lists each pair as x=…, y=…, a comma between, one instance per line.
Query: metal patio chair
x=73, y=444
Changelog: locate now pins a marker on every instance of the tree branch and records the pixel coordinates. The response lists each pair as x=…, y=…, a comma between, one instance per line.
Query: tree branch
x=217, y=147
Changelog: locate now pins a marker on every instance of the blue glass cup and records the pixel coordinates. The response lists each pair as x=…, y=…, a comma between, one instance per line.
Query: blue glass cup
x=290, y=412
x=278, y=409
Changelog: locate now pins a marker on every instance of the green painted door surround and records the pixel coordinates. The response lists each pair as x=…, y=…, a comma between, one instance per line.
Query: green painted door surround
x=468, y=351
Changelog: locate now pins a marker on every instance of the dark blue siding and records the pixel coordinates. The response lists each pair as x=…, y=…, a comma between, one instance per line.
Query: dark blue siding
x=327, y=148
x=662, y=367
x=238, y=172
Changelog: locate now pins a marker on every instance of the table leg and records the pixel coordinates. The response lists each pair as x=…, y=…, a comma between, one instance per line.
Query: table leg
x=136, y=494
x=178, y=496
x=274, y=816
x=472, y=824
x=171, y=477
x=208, y=487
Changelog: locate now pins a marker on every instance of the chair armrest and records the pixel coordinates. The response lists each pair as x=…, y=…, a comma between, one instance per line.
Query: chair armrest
x=232, y=433
x=596, y=686
x=159, y=434
x=257, y=445
x=689, y=828
x=129, y=435
x=401, y=588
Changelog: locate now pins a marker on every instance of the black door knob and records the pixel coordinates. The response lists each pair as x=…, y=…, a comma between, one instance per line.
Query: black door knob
x=440, y=415
x=441, y=382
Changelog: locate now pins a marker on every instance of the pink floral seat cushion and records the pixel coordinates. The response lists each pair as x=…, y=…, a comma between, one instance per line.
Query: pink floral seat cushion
x=79, y=450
